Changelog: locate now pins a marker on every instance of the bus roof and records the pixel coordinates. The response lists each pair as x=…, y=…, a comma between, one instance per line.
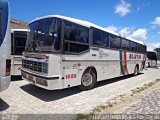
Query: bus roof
x=152, y=52
x=86, y=24
x=23, y=30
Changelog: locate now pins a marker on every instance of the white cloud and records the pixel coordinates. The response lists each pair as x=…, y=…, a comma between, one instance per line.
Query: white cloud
x=112, y=28
x=152, y=46
x=139, y=34
x=159, y=33
x=123, y=8
x=126, y=31
x=156, y=22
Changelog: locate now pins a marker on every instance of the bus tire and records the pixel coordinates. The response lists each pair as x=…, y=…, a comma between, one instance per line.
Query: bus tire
x=88, y=80
x=136, y=70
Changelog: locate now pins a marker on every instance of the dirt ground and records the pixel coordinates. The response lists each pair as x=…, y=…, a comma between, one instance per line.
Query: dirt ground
x=127, y=103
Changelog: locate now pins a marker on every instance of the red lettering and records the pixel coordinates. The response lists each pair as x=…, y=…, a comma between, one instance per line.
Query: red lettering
x=130, y=56
x=71, y=76
x=135, y=56
x=75, y=76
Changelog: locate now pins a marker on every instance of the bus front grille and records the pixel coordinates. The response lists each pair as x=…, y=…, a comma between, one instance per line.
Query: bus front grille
x=41, y=67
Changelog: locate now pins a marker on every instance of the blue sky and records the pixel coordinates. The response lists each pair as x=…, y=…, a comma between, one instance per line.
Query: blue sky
x=139, y=19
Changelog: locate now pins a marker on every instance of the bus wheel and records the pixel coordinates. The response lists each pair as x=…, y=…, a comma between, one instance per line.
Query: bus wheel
x=136, y=70
x=88, y=80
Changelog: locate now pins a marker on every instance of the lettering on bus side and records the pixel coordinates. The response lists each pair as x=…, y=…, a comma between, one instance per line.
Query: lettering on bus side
x=135, y=56
x=103, y=54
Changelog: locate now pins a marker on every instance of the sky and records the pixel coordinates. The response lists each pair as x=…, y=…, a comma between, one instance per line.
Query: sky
x=138, y=19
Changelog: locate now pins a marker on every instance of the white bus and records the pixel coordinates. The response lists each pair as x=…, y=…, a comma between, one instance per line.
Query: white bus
x=152, y=59
x=5, y=46
x=63, y=52
x=18, y=41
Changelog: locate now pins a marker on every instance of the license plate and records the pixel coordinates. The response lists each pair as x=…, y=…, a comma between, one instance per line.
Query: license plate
x=30, y=77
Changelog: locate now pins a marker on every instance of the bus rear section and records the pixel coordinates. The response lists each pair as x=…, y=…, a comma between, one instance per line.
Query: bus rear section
x=152, y=59
x=5, y=46
x=18, y=41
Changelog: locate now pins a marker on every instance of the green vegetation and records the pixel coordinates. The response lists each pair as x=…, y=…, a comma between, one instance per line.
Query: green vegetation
x=84, y=117
x=144, y=87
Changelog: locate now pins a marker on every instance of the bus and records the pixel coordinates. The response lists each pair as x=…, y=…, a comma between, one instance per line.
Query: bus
x=152, y=59
x=62, y=52
x=5, y=45
x=18, y=41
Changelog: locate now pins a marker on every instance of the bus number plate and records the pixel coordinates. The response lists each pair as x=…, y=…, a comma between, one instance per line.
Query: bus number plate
x=30, y=78
x=71, y=76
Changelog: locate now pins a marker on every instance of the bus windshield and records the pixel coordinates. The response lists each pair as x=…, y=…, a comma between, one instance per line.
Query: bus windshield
x=44, y=36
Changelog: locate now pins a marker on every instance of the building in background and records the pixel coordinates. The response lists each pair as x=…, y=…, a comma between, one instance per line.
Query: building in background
x=17, y=24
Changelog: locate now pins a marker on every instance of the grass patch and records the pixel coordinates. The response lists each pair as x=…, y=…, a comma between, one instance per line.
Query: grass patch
x=94, y=111
x=110, y=104
x=144, y=87
x=84, y=117
x=157, y=80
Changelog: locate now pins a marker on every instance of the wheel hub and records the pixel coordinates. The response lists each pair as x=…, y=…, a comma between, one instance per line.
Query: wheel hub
x=87, y=79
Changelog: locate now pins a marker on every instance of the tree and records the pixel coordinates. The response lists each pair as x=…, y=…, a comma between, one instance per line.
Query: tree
x=158, y=51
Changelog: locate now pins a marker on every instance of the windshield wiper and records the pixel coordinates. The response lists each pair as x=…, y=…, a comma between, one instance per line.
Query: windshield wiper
x=29, y=46
x=38, y=43
x=34, y=44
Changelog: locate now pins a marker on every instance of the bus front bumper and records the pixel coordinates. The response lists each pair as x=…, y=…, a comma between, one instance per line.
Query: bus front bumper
x=46, y=82
x=4, y=82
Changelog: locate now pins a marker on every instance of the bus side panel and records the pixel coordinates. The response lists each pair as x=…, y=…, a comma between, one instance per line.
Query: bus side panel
x=134, y=59
x=107, y=69
x=72, y=72
x=106, y=62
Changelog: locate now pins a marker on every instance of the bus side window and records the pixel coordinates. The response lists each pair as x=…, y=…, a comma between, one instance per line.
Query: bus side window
x=133, y=46
x=125, y=44
x=76, y=38
x=97, y=37
x=105, y=39
x=118, y=42
x=83, y=35
x=0, y=24
x=115, y=42
x=144, y=49
x=112, y=41
x=70, y=31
